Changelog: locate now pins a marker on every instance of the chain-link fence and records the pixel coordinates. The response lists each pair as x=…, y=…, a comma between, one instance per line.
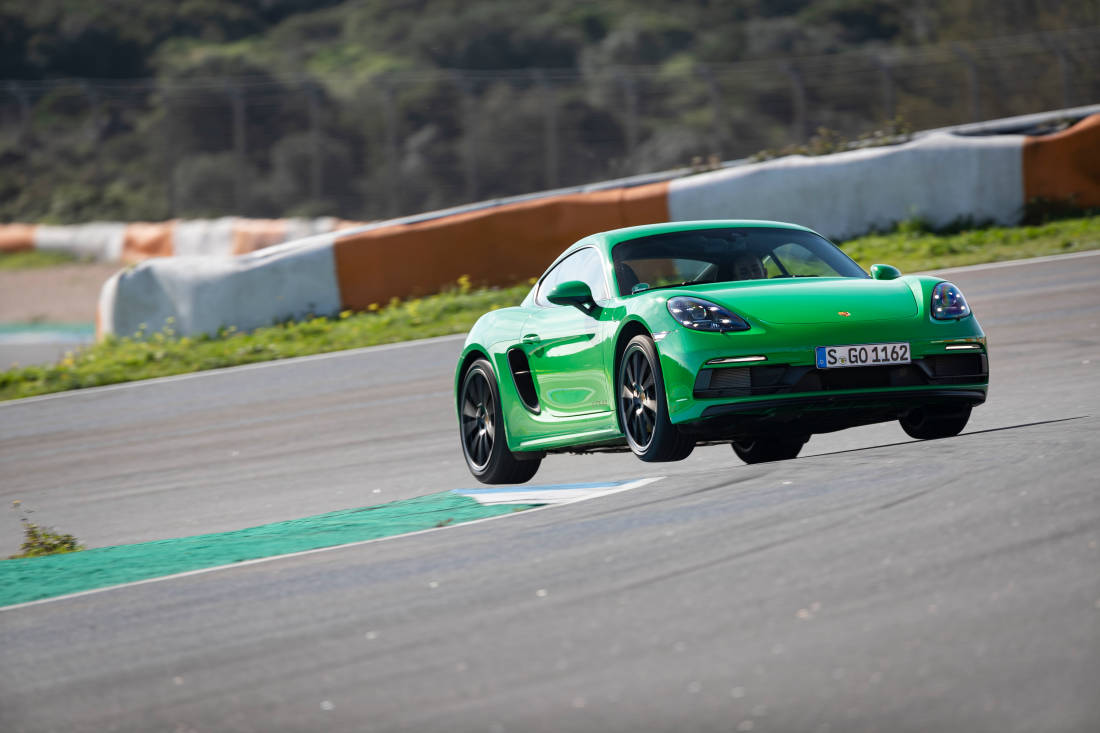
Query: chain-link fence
x=261, y=144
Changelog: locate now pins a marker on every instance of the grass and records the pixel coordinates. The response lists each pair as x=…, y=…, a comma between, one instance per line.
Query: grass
x=36, y=259
x=912, y=247
x=144, y=356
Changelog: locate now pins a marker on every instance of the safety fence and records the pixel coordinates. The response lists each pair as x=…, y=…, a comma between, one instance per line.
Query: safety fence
x=269, y=145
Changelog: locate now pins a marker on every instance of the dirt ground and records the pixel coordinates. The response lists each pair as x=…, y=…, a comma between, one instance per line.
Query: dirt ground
x=59, y=294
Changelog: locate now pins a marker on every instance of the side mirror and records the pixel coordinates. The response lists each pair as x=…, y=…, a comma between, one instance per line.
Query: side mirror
x=885, y=272
x=574, y=293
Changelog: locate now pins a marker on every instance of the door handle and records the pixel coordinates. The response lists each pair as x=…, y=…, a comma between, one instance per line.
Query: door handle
x=531, y=339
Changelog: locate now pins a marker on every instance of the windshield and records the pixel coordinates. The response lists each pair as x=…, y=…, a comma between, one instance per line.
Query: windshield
x=726, y=255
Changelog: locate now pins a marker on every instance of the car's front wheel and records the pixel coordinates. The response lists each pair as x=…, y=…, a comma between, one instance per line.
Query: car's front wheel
x=481, y=427
x=643, y=408
x=765, y=449
x=928, y=423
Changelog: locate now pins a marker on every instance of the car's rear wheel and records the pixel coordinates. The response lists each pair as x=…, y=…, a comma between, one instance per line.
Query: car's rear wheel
x=643, y=408
x=929, y=423
x=481, y=428
x=765, y=449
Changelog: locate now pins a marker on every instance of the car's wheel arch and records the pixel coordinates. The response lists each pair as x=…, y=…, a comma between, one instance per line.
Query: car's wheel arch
x=498, y=366
x=464, y=366
x=627, y=331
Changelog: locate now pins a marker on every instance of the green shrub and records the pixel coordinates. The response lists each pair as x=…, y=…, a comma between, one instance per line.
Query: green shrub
x=38, y=540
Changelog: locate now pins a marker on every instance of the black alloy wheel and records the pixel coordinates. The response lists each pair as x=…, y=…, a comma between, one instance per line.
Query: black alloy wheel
x=929, y=423
x=481, y=428
x=642, y=407
x=765, y=449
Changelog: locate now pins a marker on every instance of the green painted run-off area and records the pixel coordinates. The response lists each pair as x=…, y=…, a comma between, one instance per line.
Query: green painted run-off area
x=34, y=578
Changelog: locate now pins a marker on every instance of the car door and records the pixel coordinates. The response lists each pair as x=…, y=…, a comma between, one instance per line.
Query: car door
x=565, y=347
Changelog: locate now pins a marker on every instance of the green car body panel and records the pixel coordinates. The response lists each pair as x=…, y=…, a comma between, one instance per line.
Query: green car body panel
x=556, y=365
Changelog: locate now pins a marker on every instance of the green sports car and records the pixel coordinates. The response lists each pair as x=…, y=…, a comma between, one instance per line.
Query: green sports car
x=659, y=338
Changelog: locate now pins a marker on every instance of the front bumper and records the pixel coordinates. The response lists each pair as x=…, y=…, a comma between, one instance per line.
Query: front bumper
x=785, y=390
x=806, y=414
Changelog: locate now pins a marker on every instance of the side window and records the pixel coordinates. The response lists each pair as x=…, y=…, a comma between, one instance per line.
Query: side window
x=801, y=262
x=590, y=271
x=771, y=268
x=550, y=282
x=584, y=265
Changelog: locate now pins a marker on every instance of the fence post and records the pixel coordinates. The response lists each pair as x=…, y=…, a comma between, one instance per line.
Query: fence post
x=20, y=95
x=168, y=146
x=1064, y=66
x=630, y=92
x=1063, y=62
x=93, y=128
x=240, y=146
x=717, y=112
x=550, y=128
x=315, y=162
x=972, y=76
x=470, y=133
x=886, y=81
x=393, y=176
x=799, y=127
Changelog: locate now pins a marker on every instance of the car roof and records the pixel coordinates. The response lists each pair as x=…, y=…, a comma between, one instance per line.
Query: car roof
x=606, y=240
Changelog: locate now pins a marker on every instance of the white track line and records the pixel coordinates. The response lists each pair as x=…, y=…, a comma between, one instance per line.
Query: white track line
x=637, y=484
x=235, y=369
x=1014, y=263
x=546, y=494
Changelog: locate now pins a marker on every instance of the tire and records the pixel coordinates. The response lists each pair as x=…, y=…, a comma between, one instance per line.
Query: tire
x=764, y=450
x=642, y=407
x=927, y=423
x=481, y=431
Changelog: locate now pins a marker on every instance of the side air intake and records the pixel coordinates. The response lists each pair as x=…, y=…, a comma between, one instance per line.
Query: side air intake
x=521, y=375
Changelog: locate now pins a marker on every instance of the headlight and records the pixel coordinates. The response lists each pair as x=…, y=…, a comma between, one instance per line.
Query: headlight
x=948, y=303
x=702, y=315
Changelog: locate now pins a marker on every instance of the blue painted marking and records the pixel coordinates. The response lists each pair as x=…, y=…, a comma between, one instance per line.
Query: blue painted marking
x=46, y=333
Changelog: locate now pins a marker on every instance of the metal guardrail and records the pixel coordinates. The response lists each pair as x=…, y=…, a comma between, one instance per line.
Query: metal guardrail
x=1032, y=124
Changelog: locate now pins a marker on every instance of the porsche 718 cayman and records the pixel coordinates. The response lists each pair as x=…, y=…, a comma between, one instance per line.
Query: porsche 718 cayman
x=659, y=338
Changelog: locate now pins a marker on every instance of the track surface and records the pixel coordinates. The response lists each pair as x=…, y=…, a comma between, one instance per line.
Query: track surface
x=875, y=583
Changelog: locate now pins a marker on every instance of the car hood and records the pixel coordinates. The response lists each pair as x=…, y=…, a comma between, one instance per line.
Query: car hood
x=806, y=300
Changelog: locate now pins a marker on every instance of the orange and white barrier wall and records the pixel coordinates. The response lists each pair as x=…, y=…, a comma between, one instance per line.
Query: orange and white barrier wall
x=134, y=242
x=940, y=178
x=354, y=268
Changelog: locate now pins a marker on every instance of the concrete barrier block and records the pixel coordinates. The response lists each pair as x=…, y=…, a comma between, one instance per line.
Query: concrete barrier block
x=17, y=237
x=203, y=294
x=940, y=178
x=99, y=240
x=198, y=237
x=1066, y=165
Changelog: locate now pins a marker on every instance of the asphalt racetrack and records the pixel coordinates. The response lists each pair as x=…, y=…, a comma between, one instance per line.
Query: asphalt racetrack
x=876, y=583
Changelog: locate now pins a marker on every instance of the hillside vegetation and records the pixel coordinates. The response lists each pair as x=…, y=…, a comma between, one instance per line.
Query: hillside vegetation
x=138, y=110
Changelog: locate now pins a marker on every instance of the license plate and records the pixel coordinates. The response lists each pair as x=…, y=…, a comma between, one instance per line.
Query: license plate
x=832, y=357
